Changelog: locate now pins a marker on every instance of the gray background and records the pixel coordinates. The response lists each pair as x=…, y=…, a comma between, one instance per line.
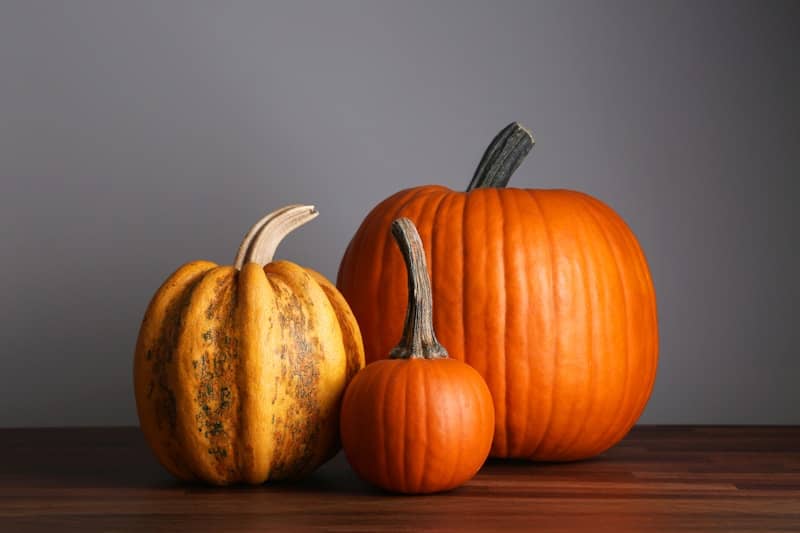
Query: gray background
x=135, y=136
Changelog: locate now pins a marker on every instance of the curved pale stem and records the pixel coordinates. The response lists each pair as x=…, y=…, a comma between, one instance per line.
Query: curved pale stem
x=260, y=243
x=419, y=339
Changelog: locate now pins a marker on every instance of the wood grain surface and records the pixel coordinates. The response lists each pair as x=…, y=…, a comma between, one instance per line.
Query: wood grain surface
x=660, y=478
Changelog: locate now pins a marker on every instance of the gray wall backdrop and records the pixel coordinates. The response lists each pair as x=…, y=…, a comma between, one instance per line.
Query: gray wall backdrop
x=135, y=136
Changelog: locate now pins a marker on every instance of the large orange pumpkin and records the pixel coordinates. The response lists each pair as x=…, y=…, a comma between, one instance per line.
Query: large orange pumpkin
x=545, y=292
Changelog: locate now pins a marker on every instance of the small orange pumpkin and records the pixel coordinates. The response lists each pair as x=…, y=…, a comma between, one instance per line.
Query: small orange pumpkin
x=418, y=422
x=545, y=292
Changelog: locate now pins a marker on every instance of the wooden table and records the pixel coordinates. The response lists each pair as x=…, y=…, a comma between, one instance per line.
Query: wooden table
x=660, y=478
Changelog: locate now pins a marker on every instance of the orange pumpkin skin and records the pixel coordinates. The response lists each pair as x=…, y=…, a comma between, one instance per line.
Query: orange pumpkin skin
x=545, y=292
x=417, y=426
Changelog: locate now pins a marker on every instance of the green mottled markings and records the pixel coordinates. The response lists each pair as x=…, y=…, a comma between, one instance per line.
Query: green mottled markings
x=215, y=371
x=300, y=362
x=169, y=406
x=225, y=396
x=214, y=428
x=161, y=355
x=218, y=452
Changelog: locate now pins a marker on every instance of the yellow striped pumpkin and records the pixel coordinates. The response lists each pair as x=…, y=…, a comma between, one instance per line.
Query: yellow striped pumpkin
x=239, y=370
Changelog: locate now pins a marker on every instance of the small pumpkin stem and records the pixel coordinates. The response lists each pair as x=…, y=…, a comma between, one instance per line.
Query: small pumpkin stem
x=505, y=153
x=260, y=243
x=418, y=340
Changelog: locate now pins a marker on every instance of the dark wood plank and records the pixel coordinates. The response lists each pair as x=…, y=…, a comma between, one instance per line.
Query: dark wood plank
x=660, y=478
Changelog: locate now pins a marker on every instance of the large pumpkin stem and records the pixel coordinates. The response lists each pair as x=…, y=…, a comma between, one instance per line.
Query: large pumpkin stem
x=262, y=240
x=419, y=339
x=505, y=153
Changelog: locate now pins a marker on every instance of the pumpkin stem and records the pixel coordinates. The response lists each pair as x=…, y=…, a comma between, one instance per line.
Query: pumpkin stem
x=419, y=339
x=259, y=245
x=505, y=153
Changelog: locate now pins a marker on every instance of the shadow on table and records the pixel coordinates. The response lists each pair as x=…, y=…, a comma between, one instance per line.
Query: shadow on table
x=120, y=458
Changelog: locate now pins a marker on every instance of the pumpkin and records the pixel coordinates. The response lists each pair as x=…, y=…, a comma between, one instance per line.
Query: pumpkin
x=418, y=422
x=239, y=370
x=545, y=292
